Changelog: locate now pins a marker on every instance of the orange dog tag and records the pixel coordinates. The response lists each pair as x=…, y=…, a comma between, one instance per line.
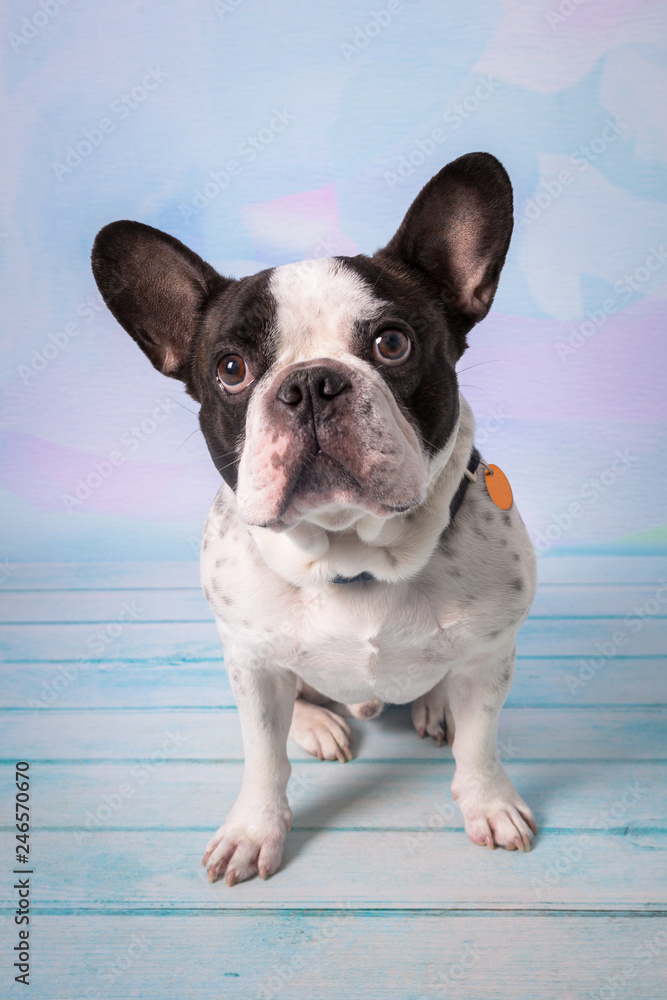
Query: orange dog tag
x=498, y=486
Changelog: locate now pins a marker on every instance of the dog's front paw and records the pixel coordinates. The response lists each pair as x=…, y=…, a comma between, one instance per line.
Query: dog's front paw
x=494, y=813
x=250, y=842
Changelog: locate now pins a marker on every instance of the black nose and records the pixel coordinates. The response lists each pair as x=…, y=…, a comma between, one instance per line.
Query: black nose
x=312, y=385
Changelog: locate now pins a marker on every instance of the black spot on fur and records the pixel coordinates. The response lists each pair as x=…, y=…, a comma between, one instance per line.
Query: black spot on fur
x=516, y=556
x=487, y=515
x=517, y=584
x=503, y=541
x=494, y=634
x=506, y=518
x=207, y=594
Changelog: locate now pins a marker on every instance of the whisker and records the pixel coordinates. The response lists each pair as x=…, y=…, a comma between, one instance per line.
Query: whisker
x=491, y=361
x=194, y=412
x=223, y=454
x=229, y=464
x=187, y=439
x=481, y=389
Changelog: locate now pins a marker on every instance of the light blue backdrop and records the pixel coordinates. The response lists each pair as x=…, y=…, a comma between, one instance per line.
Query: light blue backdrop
x=332, y=116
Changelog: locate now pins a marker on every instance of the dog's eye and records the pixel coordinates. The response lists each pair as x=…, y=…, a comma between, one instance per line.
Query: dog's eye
x=392, y=347
x=233, y=373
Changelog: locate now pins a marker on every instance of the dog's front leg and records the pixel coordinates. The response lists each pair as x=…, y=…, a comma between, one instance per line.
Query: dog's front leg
x=493, y=811
x=251, y=839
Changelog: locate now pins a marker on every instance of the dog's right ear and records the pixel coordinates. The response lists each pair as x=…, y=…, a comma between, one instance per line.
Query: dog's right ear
x=156, y=288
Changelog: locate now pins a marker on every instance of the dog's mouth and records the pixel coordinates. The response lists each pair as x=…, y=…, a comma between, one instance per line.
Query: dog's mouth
x=327, y=492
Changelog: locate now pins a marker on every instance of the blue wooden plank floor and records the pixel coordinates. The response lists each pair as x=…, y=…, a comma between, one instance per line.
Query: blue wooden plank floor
x=113, y=689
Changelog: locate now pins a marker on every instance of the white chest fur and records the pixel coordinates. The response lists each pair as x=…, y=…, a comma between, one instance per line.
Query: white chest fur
x=391, y=641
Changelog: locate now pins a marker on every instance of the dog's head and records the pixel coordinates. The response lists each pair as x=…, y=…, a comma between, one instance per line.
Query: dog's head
x=328, y=388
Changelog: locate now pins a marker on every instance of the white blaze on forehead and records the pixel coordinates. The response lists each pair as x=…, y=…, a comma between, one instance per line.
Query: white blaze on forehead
x=317, y=304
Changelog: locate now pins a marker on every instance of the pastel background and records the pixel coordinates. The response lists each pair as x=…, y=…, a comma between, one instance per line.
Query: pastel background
x=334, y=114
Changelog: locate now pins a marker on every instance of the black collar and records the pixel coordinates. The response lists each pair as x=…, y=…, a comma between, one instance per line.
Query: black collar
x=457, y=500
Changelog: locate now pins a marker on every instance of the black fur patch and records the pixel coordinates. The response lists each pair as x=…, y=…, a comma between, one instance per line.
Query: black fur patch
x=240, y=321
x=426, y=384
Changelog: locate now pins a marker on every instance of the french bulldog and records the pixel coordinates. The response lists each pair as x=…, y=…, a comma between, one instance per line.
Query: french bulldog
x=354, y=555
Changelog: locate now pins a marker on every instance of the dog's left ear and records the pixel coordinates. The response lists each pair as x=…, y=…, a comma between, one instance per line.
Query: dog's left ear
x=457, y=232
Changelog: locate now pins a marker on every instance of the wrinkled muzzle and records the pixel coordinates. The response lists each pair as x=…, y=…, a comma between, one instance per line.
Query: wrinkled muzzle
x=327, y=435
